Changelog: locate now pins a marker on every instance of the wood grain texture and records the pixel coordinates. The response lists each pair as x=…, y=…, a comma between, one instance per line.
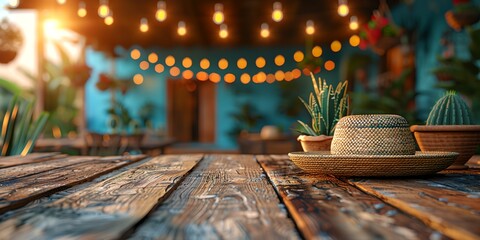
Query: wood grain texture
x=30, y=158
x=225, y=197
x=449, y=203
x=105, y=210
x=325, y=207
x=25, y=183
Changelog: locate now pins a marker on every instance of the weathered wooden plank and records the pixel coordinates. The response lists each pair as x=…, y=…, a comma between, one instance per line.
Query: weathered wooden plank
x=30, y=158
x=105, y=210
x=225, y=197
x=448, y=203
x=16, y=192
x=325, y=207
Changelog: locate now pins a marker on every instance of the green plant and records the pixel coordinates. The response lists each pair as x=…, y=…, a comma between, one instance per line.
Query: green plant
x=450, y=109
x=326, y=106
x=19, y=130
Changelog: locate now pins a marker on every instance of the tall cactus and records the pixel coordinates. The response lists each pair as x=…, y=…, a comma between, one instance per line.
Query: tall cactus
x=451, y=109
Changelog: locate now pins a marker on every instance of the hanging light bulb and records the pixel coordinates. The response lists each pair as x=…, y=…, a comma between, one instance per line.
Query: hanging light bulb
x=264, y=30
x=310, y=28
x=161, y=13
x=82, y=10
x=109, y=19
x=61, y=2
x=277, y=14
x=218, y=16
x=223, y=33
x=13, y=3
x=144, y=25
x=343, y=8
x=353, y=23
x=182, y=29
x=103, y=9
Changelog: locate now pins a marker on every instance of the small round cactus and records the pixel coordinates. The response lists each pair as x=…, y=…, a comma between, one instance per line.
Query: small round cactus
x=451, y=109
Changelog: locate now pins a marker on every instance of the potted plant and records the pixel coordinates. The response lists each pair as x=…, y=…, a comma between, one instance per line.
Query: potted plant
x=11, y=41
x=326, y=106
x=464, y=13
x=449, y=128
x=380, y=34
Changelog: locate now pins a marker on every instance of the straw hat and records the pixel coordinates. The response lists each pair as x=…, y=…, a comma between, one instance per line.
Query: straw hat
x=373, y=145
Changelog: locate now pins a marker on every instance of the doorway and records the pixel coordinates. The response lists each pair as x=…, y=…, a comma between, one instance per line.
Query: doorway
x=191, y=111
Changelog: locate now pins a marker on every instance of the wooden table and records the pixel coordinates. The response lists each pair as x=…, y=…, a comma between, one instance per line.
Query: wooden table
x=47, y=196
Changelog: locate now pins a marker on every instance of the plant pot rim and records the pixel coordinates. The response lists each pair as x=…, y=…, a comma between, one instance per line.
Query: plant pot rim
x=306, y=138
x=444, y=128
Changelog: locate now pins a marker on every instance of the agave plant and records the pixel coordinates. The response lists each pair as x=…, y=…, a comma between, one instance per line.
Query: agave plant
x=326, y=106
x=19, y=129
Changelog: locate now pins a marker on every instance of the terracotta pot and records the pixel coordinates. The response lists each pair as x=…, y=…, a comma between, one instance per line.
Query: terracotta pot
x=315, y=143
x=6, y=56
x=462, y=139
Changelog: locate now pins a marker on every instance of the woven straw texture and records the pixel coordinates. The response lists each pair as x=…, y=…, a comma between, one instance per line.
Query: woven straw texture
x=422, y=163
x=373, y=135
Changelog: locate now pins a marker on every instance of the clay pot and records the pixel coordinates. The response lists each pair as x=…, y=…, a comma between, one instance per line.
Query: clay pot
x=315, y=143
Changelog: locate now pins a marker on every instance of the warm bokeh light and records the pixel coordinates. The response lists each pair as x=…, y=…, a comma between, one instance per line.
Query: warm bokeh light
x=135, y=54
x=187, y=62
x=214, y=77
x=161, y=13
x=13, y=3
x=329, y=65
x=204, y=63
x=264, y=30
x=202, y=76
x=317, y=51
x=298, y=56
x=279, y=60
x=218, y=16
x=61, y=2
x=223, y=33
x=343, y=9
x=241, y=63
x=277, y=14
x=103, y=9
x=223, y=64
x=261, y=77
x=310, y=28
x=255, y=78
x=57, y=132
x=288, y=76
x=174, y=71
x=144, y=65
x=354, y=40
x=270, y=78
x=245, y=78
x=296, y=73
x=260, y=62
x=353, y=23
x=50, y=27
x=82, y=10
x=108, y=20
x=159, y=68
x=229, y=78
x=182, y=28
x=187, y=74
x=153, y=57
x=279, y=75
x=138, y=79
x=336, y=46
x=144, y=25
x=170, y=60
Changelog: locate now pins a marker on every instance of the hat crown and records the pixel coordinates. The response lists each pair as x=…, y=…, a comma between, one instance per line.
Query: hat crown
x=375, y=134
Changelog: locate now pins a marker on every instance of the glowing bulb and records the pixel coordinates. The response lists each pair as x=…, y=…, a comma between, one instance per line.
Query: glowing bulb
x=298, y=56
x=241, y=63
x=336, y=46
x=218, y=16
x=353, y=23
x=50, y=27
x=103, y=9
x=354, y=40
x=161, y=13
x=182, y=29
x=260, y=62
x=317, y=51
x=138, y=79
x=13, y=3
x=82, y=10
x=223, y=64
x=152, y=57
x=264, y=31
x=223, y=33
x=187, y=62
x=144, y=25
x=61, y=2
x=310, y=28
x=329, y=65
x=204, y=63
x=277, y=14
x=135, y=54
x=343, y=8
x=109, y=19
x=279, y=60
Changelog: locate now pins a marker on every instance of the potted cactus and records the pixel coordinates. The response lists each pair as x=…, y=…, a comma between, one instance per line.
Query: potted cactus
x=450, y=128
x=326, y=105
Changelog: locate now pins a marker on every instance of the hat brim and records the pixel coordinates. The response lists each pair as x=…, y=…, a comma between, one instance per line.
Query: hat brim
x=422, y=163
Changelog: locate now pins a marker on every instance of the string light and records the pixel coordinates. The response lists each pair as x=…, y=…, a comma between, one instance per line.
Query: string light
x=277, y=14
x=317, y=51
x=260, y=62
x=144, y=65
x=204, y=64
x=241, y=63
x=264, y=31
x=152, y=57
x=223, y=33
x=310, y=28
x=336, y=46
x=144, y=25
x=138, y=79
x=103, y=9
x=161, y=13
x=109, y=19
x=159, y=68
x=354, y=40
x=298, y=56
x=229, y=78
x=279, y=60
x=245, y=78
x=61, y=2
x=223, y=64
x=182, y=29
x=329, y=65
x=135, y=54
x=353, y=23
x=187, y=62
x=82, y=9
x=343, y=8
x=170, y=60
x=13, y=3
x=218, y=16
